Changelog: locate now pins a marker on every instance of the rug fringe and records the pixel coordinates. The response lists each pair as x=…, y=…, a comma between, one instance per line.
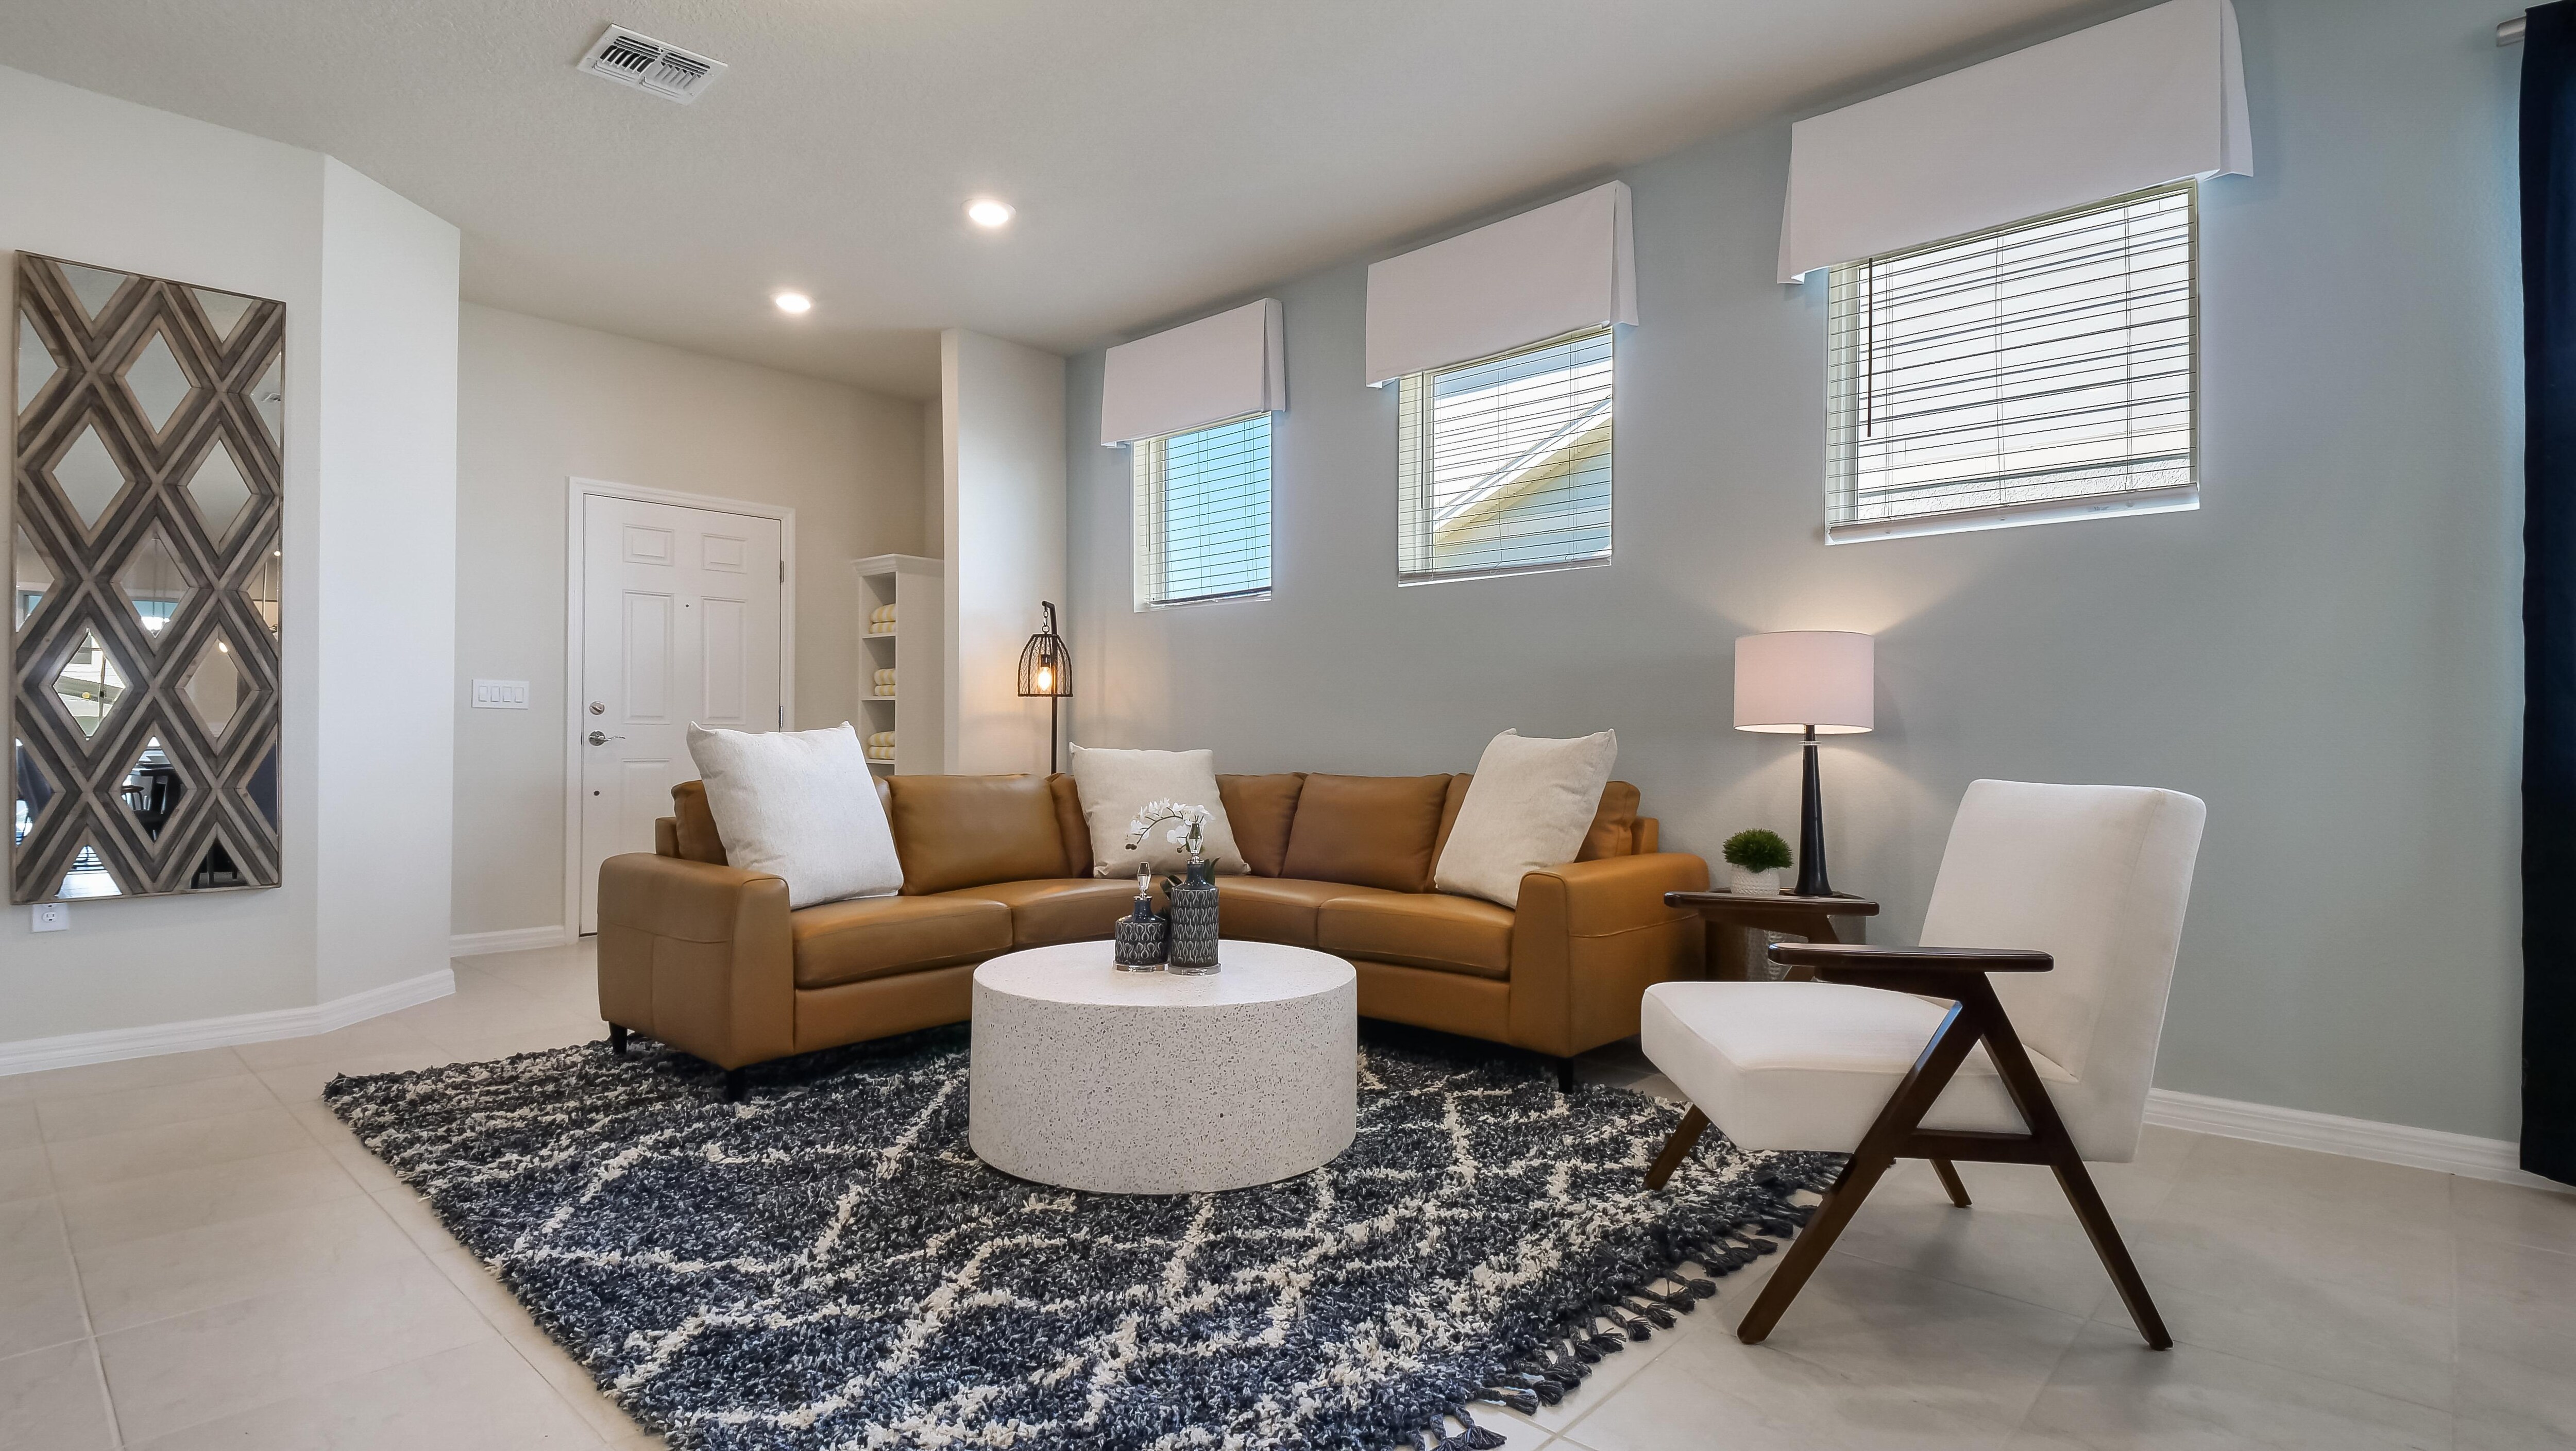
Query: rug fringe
x=1546, y=1375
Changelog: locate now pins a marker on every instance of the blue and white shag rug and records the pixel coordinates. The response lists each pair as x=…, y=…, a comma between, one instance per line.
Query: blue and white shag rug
x=828, y=1265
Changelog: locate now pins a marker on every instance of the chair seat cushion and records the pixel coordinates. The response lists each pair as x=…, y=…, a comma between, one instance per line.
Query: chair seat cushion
x=1059, y=909
x=1278, y=909
x=871, y=937
x=1809, y=1065
x=1444, y=933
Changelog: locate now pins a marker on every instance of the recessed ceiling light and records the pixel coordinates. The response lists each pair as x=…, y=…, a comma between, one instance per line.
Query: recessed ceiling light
x=792, y=302
x=986, y=212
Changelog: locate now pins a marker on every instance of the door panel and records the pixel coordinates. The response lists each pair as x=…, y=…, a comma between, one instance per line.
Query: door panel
x=727, y=623
x=682, y=620
x=644, y=686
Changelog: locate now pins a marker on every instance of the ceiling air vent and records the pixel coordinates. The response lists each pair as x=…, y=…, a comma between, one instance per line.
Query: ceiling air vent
x=648, y=65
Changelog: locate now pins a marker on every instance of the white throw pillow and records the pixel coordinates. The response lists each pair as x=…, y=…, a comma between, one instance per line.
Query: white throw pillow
x=1528, y=808
x=1115, y=785
x=799, y=805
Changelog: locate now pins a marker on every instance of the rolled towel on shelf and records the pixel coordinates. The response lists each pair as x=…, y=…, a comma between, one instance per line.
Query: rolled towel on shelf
x=883, y=739
x=885, y=676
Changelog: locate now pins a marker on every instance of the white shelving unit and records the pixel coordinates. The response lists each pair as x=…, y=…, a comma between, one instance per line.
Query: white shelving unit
x=916, y=586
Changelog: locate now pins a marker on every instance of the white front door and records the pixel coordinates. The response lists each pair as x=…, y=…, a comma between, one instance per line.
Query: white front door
x=681, y=617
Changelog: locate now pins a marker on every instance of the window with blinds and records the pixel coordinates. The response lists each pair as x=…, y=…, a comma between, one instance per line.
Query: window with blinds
x=1503, y=464
x=2046, y=370
x=1203, y=514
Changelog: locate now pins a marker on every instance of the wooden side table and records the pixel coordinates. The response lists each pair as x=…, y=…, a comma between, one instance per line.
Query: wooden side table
x=1733, y=918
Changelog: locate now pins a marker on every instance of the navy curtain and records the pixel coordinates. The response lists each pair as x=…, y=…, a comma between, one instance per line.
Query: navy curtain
x=2549, y=593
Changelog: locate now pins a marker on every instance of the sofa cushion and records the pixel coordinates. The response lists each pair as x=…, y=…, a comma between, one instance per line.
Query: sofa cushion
x=1059, y=909
x=1277, y=909
x=1449, y=805
x=869, y=937
x=1614, y=826
x=695, y=824
x=1368, y=831
x=1069, y=825
x=1261, y=808
x=964, y=831
x=1449, y=934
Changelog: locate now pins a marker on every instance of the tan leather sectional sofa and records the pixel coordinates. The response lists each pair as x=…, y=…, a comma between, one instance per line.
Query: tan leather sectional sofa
x=707, y=958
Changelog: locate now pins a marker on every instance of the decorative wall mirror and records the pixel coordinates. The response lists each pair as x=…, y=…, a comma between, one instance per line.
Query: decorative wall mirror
x=145, y=539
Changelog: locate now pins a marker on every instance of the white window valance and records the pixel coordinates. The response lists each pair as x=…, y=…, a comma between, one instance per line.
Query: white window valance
x=1200, y=373
x=1558, y=269
x=2128, y=104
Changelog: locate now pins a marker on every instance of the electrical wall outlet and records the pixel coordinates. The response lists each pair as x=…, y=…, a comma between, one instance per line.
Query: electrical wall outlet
x=500, y=695
x=51, y=917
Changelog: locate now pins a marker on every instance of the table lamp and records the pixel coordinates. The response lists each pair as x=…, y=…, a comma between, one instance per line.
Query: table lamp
x=1815, y=681
x=1046, y=668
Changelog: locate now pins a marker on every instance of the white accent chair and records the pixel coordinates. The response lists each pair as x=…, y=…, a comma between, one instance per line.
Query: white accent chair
x=2074, y=897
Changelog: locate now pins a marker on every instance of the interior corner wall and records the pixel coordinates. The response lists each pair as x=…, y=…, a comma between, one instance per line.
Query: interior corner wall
x=2328, y=651
x=386, y=620
x=1002, y=410
x=934, y=482
x=544, y=402
x=94, y=179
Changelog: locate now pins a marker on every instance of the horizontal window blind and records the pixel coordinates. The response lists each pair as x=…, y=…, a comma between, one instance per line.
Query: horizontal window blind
x=1504, y=463
x=1203, y=514
x=2042, y=370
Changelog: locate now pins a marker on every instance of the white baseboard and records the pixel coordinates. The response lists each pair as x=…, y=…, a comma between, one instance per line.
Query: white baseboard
x=512, y=939
x=2294, y=1128
x=33, y=1055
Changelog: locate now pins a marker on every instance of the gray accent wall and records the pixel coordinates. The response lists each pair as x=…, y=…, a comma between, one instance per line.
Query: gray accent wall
x=2328, y=651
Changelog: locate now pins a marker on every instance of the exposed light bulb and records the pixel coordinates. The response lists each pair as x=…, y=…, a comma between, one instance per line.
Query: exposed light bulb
x=792, y=302
x=987, y=212
x=1046, y=678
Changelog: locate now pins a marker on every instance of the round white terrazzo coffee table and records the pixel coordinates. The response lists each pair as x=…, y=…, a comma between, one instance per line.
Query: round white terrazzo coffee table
x=1145, y=1083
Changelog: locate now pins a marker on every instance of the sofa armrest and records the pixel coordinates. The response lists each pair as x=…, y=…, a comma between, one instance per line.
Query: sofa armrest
x=1589, y=938
x=698, y=956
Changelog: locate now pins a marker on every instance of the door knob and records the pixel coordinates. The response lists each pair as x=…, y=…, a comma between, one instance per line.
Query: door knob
x=601, y=738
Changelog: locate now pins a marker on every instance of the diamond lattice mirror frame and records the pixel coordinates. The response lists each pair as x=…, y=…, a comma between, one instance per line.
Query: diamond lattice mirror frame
x=92, y=324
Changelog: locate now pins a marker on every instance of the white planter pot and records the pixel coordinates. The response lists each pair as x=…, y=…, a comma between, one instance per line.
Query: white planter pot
x=1752, y=884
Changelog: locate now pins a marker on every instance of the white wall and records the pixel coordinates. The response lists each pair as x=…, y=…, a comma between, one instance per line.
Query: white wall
x=93, y=179
x=1002, y=409
x=542, y=402
x=2328, y=651
x=386, y=621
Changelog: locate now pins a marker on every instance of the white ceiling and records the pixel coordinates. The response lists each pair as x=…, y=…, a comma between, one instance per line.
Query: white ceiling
x=1164, y=154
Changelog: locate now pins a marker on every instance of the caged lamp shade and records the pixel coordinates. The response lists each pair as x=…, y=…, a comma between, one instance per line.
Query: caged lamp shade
x=1808, y=683
x=1046, y=668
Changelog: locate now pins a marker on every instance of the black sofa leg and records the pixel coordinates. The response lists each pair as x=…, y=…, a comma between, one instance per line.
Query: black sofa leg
x=1565, y=1075
x=617, y=1040
x=737, y=1085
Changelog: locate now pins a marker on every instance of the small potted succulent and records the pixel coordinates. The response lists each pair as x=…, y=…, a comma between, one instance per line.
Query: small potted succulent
x=1754, y=861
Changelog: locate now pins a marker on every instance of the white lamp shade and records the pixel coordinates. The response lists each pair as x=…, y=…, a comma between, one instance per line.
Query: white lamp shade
x=1794, y=679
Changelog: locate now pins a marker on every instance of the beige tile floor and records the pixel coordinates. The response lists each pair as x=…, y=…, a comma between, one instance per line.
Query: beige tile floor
x=193, y=1253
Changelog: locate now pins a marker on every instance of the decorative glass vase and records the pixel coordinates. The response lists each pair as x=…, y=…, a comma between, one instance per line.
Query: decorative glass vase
x=1142, y=935
x=1191, y=947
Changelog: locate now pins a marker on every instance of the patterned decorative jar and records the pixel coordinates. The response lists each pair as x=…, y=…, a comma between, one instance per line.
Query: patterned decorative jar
x=1142, y=935
x=1192, y=948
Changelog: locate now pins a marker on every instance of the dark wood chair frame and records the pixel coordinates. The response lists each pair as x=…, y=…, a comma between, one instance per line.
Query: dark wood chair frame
x=1976, y=1016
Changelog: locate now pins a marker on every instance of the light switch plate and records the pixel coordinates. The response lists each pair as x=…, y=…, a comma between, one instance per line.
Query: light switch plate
x=50, y=917
x=500, y=695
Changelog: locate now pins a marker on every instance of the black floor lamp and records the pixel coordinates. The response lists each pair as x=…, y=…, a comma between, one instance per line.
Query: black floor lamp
x=1046, y=668
x=1820, y=682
